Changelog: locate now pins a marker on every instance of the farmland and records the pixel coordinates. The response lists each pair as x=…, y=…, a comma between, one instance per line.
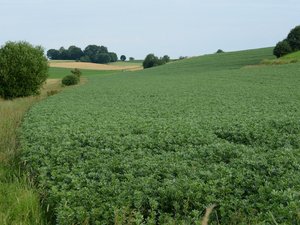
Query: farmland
x=95, y=66
x=56, y=72
x=159, y=146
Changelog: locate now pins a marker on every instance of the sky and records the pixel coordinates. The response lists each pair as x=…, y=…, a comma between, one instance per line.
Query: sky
x=136, y=28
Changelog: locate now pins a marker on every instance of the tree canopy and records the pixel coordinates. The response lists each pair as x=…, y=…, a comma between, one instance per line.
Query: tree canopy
x=23, y=69
x=123, y=57
x=288, y=45
x=151, y=60
x=92, y=53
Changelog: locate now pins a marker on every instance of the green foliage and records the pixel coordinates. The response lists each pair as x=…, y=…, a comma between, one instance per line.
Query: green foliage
x=131, y=59
x=293, y=38
x=123, y=57
x=70, y=80
x=102, y=58
x=75, y=53
x=288, y=45
x=282, y=48
x=92, y=53
x=158, y=146
x=85, y=58
x=220, y=51
x=113, y=57
x=165, y=59
x=53, y=54
x=151, y=61
x=76, y=72
x=23, y=69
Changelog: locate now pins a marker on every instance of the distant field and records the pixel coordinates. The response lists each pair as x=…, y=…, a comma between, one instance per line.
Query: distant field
x=55, y=72
x=96, y=66
x=158, y=146
x=127, y=63
x=61, y=61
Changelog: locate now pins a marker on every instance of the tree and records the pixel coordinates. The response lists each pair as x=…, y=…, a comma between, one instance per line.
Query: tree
x=85, y=58
x=293, y=39
x=165, y=58
x=75, y=53
x=151, y=60
x=220, y=51
x=113, y=57
x=63, y=53
x=23, y=69
x=123, y=57
x=91, y=52
x=53, y=54
x=102, y=49
x=282, y=48
x=131, y=58
x=102, y=58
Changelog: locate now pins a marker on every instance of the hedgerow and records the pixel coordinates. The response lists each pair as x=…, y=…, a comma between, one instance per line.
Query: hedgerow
x=160, y=146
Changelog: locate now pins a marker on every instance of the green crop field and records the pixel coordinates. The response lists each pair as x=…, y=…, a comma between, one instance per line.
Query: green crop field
x=128, y=63
x=159, y=146
x=55, y=72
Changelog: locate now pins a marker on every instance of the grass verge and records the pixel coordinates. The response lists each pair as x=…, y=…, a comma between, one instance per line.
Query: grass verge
x=19, y=201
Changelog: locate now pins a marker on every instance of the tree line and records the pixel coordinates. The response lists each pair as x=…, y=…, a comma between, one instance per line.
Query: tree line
x=92, y=53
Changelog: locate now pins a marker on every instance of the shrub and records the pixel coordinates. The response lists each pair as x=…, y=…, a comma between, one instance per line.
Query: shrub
x=52, y=92
x=282, y=48
x=151, y=60
x=23, y=69
x=70, y=80
x=76, y=72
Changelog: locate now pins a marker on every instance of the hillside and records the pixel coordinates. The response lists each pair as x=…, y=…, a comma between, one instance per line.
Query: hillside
x=159, y=146
x=294, y=55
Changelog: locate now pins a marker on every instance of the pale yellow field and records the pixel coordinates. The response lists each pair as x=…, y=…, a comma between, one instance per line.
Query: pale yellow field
x=93, y=66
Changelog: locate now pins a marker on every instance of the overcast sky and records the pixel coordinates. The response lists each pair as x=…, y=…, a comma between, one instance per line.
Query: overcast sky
x=138, y=27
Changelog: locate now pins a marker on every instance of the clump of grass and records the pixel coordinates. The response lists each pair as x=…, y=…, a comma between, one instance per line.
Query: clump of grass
x=52, y=92
x=19, y=201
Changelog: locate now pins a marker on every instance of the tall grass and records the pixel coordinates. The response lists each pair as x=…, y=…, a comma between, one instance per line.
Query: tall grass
x=19, y=201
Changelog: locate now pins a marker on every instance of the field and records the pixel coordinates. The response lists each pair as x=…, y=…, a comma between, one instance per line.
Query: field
x=94, y=66
x=55, y=72
x=159, y=146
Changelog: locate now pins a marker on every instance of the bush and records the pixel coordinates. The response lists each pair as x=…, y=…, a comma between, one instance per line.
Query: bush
x=151, y=60
x=76, y=72
x=23, y=69
x=70, y=80
x=282, y=48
